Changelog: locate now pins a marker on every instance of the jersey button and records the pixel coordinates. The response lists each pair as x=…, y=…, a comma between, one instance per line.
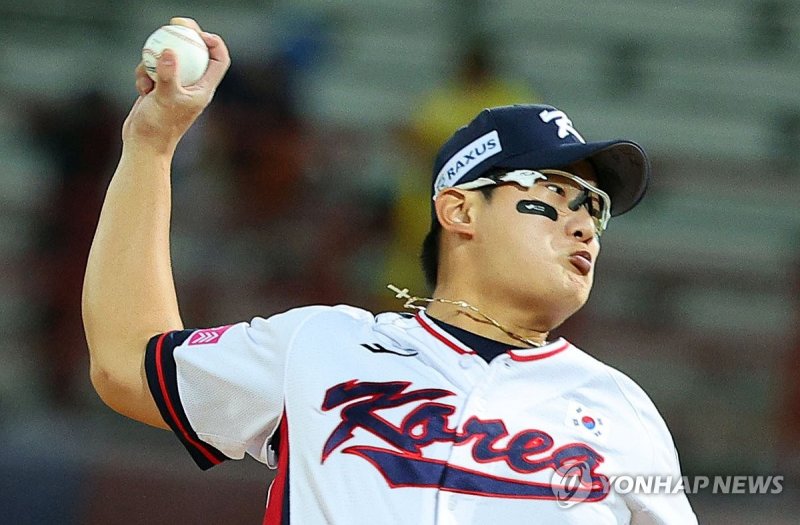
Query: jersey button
x=465, y=361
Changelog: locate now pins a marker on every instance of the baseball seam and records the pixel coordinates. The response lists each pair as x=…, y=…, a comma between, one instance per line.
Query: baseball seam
x=199, y=45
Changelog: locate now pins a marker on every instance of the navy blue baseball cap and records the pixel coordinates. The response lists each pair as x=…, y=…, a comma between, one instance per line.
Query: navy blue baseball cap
x=534, y=136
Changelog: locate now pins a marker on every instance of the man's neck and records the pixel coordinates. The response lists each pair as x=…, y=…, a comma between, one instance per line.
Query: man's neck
x=472, y=321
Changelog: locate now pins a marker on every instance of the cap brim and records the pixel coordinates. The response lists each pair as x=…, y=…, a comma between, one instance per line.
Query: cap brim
x=623, y=170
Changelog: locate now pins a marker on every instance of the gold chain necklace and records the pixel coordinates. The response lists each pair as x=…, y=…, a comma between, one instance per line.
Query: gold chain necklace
x=411, y=299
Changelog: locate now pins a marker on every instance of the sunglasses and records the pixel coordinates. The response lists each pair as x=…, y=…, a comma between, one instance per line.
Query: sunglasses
x=561, y=195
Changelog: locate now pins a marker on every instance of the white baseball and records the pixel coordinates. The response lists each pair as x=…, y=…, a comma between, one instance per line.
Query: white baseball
x=191, y=52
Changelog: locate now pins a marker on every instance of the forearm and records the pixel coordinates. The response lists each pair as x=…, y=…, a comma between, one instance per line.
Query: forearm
x=129, y=293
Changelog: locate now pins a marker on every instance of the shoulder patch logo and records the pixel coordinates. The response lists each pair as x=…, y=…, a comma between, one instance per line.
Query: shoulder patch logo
x=587, y=421
x=207, y=336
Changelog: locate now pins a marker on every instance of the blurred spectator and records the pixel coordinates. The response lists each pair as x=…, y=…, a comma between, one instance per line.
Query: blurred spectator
x=263, y=134
x=475, y=86
x=625, y=72
x=785, y=131
x=262, y=137
x=788, y=419
x=771, y=25
x=82, y=135
x=291, y=218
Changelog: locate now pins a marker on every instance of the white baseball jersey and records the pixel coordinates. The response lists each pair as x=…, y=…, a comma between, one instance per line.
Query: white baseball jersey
x=388, y=419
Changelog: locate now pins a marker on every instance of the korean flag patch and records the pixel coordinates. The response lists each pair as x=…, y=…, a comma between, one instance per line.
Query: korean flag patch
x=587, y=422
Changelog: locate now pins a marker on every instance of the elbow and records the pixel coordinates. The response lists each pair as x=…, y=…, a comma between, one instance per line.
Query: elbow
x=114, y=369
x=123, y=388
x=106, y=386
x=117, y=387
x=103, y=378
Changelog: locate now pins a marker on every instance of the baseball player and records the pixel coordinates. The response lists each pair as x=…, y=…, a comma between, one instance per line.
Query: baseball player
x=459, y=411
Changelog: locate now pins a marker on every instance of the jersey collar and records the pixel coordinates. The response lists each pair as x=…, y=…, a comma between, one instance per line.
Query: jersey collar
x=516, y=354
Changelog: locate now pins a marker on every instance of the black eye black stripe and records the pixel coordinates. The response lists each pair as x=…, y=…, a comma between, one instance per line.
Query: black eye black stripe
x=537, y=208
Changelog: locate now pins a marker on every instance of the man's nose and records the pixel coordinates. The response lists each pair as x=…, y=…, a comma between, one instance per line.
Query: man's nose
x=580, y=225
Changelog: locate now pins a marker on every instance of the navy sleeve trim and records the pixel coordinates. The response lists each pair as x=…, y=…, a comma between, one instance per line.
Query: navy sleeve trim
x=163, y=382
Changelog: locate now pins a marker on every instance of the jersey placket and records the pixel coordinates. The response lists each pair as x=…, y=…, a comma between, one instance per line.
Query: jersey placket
x=454, y=508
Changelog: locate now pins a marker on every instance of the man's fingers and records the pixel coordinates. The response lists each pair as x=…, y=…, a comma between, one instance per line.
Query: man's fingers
x=219, y=60
x=144, y=84
x=167, y=72
x=186, y=22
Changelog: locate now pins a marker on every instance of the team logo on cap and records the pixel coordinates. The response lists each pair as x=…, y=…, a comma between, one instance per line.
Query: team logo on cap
x=563, y=122
x=467, y=158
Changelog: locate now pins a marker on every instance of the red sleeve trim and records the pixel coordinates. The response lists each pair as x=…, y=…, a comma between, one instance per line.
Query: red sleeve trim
x=278, y=499
x=162, y=379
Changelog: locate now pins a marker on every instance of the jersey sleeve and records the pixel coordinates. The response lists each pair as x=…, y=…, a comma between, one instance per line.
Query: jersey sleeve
x=221, y=390
x=656, y=456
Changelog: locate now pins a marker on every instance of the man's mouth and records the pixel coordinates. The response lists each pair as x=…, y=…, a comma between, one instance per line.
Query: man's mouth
x=582, y=261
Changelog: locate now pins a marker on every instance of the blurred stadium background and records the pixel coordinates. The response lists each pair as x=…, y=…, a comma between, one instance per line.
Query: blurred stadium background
x=306, y=181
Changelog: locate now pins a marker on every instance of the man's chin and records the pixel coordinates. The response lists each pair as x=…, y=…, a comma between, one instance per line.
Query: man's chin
x=558, y=310
x=569, y=304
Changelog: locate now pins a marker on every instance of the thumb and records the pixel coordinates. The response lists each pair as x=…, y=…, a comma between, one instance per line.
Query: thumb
x=167, y=71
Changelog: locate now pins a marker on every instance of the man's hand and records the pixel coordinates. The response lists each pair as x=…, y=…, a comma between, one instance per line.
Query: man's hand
x=165, y=110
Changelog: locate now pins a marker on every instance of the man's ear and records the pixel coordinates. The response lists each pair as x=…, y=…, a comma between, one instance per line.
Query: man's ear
x=454, y=208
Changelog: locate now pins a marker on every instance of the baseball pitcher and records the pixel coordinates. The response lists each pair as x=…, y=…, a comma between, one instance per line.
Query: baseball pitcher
x=460, y=409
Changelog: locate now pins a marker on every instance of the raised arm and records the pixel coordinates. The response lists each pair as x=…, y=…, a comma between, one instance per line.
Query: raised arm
x=128, y=292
